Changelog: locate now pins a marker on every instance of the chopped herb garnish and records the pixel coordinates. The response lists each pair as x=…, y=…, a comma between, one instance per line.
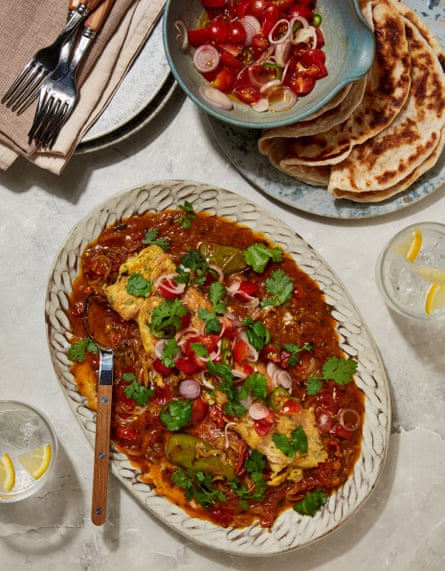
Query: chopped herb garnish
x=151, y=239
x=218, y=297
x=212, y=322
x=166, y=318
x=176, y=413
x=138, y=286
x=169, y=352
x=290, y=446
x=280, y=287
x=185, y=220
x=256, y=385
x=193, y=268
x=258, y=256
x=337, y=369
x=198, y=486
x=294, y=350
x=257, y=333
x=78, y=350
x=311, y=503
x=135, y=391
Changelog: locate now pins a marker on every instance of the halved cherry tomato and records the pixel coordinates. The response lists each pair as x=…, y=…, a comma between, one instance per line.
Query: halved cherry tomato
x=302, y=11
x=188, y=365
x=283, y=4
x=162, y=395
x=300, y=84
x=291, y=406
x=271, y=15
x=247, y=93
x=313, y=56
x=225, y=80
x=198, y=36
x=271, y=352
x=210, y=342
x=218, y=30
x=257, y=7
x=160, y=368
x=260, y=43
x=241, y=351
x=237, y=33
x=230, y=60
x=213, y=3
x=265, y=425
x=242, y=8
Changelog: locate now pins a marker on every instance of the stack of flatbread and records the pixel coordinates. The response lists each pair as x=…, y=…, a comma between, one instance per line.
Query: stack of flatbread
x=381, y=133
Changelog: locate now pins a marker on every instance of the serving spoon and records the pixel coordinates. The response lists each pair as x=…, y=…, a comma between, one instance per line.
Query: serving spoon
x=103, y=424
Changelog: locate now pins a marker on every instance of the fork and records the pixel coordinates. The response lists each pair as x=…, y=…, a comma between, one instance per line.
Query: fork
x=58, y=94
x=24, y=89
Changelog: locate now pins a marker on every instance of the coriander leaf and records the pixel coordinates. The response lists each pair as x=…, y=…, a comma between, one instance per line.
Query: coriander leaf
x=78, y=350
x=258, y=255
x=169, y=352
x=199, y=349
x=293, y=350
x=135, y=391
x=212, y=322
x=339, y=369
x=220, y=370
x=257, y=333
x=193, y=268
x=166, y=318
x=256, y=385
x=198, y=486
x=218, y=297
x=280, y=287
x=151, y=238
x=313, y=385
x=185, y=220
x=139, y=286
x=311, y=503
x=290, y=446
x=176, y=413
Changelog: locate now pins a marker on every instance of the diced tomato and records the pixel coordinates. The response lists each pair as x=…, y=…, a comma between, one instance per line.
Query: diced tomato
x=271, y=352
x=210, y=342
x=166, y=286
x=160, y=368
x=241, y=351
x=185, y=320
x=200, y=410
x=126, y=433
x=265, y=425
x=291, y=406
x=237, y=32
x=218, y=30
x=122, y=398
x=302, y=11
x=313, y=56
x=225, y=80
x=188, y=365
x=250, y=288
x=230, y=60
x=271, y=15
x=198, y=36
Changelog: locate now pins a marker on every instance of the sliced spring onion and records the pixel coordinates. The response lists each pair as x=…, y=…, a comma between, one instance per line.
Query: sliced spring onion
x=216, y=97
x=206, y=58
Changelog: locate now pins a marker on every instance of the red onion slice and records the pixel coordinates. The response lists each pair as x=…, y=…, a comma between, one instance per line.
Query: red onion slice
x=216, y=97
x=258, y=411
x=189, y=389
x=206, y=58
x=252, y=26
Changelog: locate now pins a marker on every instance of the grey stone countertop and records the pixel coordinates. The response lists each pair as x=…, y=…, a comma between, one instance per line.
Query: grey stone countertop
x=401, y=527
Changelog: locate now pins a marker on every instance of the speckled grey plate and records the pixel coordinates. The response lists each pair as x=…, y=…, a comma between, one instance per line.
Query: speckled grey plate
x=142, y=94
x=291, y=531
x=240, y=146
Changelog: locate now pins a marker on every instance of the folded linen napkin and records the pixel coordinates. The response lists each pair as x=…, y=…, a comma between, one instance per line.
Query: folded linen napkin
x=29, y=25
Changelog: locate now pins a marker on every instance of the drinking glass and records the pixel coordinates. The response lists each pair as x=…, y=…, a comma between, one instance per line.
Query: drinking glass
x=28, y=449
x=410, y=271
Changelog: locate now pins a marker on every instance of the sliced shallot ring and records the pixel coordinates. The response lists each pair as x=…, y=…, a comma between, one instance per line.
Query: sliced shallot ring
x=269, y=85
x=252, y=27
x=261, y=105
x=216, y=97
x=258, y=411
x=283, y=38
x=281, y=98
x=182, y=35
x=189, y=389
x=206, y=58
x=282, y=52
x=348, y=426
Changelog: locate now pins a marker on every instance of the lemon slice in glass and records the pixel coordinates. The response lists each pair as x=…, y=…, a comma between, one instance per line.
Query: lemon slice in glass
x=431, y=274
x=435, y=298
x=7, y=473
x=415, y=245
x=36, y=461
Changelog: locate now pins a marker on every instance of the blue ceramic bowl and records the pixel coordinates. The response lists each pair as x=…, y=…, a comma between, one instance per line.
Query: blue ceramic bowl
x=349, y=48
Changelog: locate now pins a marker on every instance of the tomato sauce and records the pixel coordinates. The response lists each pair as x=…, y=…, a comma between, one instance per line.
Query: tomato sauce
x=222, y=453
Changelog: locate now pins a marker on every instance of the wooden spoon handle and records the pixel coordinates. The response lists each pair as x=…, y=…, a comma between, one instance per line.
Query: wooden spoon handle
x=101, y=454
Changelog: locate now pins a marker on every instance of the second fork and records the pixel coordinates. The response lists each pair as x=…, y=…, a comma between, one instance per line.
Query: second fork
x=58, y=94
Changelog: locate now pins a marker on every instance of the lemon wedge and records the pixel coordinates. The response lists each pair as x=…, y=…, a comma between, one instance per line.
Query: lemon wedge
x=435, y=298
x=431, y=274
x=415, y=245
x=7, y=473
x=36, y=461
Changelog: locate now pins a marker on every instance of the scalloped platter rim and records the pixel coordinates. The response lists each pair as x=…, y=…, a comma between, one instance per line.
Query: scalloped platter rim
x=291, y=531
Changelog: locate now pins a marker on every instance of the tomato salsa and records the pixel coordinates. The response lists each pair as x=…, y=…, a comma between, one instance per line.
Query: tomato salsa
x=232, y=395
x=264, y=53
